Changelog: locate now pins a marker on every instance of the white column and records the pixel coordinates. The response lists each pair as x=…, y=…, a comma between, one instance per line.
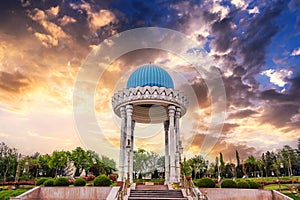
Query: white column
x=167, y=155
x=131, y=152
x=172, y=143
x=122, y=155
x=177, y=133
x=129, y=110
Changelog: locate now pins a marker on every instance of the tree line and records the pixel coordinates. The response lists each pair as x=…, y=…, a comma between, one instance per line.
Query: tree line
x=284, y=162
x=14, y=166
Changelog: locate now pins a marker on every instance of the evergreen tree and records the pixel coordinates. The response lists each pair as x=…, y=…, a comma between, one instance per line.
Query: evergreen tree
x=222, y=166
x=237, y=158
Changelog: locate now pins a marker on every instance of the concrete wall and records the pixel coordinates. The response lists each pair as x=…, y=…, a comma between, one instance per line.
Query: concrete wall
x=66, y=193
x=245, y=194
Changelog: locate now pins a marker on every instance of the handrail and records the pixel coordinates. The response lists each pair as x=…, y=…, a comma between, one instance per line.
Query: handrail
x=190, y=190
x=123, y=190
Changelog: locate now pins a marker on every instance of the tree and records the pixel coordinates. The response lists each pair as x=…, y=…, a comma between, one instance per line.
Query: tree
x=222, y=165
x=80, y=159
x=44, y=168
x=198, y=166
x=59, y=161
x=229, y=170
x=237, y=158
x=107, y=165
x=147, y=162
x=289, y=159
x=8, y=161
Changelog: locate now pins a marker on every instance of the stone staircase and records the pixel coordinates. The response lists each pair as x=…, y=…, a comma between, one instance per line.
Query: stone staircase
x=158, y=192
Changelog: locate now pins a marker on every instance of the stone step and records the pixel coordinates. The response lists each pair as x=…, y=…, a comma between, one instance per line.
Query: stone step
x=151, y=187
x=161, y=198
x=156, y=194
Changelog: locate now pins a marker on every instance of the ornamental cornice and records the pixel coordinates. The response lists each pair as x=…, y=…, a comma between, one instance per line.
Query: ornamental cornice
x=149, y=93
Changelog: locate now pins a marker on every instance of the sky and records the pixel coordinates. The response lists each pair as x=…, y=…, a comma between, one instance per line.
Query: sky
x=255, y=45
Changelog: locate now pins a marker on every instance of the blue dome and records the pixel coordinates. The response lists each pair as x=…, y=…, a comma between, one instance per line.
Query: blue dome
x=150, y=75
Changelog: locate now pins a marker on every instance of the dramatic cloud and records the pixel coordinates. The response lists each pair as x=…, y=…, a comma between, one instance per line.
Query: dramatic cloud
x=66, y=20
x=296, y=52
x=44, y=43
x=278, y=77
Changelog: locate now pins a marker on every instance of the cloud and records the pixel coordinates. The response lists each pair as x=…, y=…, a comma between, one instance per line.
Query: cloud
x=239, y=4
x=37, y=15
x=66, y=20
x=55, y=33
x=242, y=114
x=53, y=11
x=237, y=34
x=47, y=40
x=278, y=77
x=13, y=82
x=25, y=3
x=222, y=11
x=296, y=52
x=96, y=19
x=5, y=135
x=254, y=10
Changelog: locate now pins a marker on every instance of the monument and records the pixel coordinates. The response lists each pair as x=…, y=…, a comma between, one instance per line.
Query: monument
x=150, y=97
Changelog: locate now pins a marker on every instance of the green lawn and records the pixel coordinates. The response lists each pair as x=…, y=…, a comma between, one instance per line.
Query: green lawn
x=284, y=189
x=276, y=186
x=295, y=197
x=271, y=178
x=6, y=194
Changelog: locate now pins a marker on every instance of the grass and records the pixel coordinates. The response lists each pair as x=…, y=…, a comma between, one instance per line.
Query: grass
x=293, y=196
x=6, y=194
x=276, y=186
x=265, y=179
x=284, y=190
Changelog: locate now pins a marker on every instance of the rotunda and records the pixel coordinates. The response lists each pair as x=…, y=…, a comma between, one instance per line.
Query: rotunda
x=150, y=97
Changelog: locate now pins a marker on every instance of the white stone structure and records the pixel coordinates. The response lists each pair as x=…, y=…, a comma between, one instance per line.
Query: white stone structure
x=150, y=97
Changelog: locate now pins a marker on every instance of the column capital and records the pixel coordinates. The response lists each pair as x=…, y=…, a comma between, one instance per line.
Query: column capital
x=178, y=113
x=122, y=112
x=129, y=109
x=171, y=111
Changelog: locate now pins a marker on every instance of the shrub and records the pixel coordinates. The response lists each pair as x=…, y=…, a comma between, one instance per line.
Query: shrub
x=243, y=184
x=62, y=181
x=102, y=180
x=228, y=184
x=40, y=181
x=25, y=177
x=254, y=185
x=113, y=177
x=49, y=182
x=90, y=177
x=79, y=182
x=205, y=183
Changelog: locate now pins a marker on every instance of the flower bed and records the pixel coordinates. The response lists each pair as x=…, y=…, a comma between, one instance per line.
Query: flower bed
x=18, y=183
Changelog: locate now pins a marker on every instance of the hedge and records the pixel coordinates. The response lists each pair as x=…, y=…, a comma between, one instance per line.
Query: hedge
x=254, y=185
x=102, y=180
x=243, y=184
x=62, y=181
x=79, y=182
x=205, y=183
x=49, y=182
x=228, y=184
x=40, y=181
